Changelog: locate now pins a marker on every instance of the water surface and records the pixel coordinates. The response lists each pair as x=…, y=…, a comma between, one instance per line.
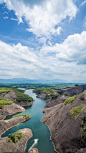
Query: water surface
x=40, y=131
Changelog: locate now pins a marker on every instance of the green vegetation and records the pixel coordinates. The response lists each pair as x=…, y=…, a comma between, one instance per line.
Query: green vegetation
x=21, y=97
x=13, y=138
x=7, y=95
x=24, y=116
x=76, y=85
x=84, y=123
x=84, y=91
x=75, y=112
x=37, y=85
x=69, y=100
x=0, y=98
x=4, y=90
x=60, y=92
x=44, y=90
x=4, y=102
x=55, y=96
x=84, y=133
x=66, y=94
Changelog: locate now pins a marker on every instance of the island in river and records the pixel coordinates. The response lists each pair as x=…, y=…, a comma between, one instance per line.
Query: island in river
x=10, y=99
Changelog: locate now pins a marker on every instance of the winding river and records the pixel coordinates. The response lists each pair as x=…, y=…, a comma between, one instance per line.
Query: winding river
x=41, y=134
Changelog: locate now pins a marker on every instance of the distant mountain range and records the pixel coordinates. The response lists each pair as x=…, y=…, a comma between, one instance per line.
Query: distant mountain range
x=25, y=81
x=28, y=81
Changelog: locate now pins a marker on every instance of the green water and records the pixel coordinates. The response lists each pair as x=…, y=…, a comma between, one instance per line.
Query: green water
x=39, y=130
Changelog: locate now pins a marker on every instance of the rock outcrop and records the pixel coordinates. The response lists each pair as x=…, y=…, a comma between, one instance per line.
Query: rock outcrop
x=25, y=103
x=8, y=124
x=34, y=150
x=10, y=110
x=44, y=96
x=9, y=96
x=52, y=102
x=73, y=90
x=65, y=130
x=19, y=146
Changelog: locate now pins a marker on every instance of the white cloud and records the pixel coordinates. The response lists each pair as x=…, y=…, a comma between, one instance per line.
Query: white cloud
x=83, y=3
x=14, y=19
x=49, y=62
x=43, y=18
x=73, y=49
x=6, y=17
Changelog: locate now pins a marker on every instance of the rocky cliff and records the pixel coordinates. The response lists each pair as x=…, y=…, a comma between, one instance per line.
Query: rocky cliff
x=65, y=124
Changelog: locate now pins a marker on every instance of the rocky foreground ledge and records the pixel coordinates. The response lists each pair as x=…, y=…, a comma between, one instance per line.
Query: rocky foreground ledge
x=19, y=146
x=8, y=124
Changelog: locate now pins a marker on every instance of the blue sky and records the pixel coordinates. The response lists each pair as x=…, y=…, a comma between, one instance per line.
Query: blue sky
x=43, y=39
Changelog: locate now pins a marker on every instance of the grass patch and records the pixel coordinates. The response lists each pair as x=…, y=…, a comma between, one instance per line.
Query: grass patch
x=55, y=96
x=24, y=116
x=66, y=94
x=5, y=102
x=84, y=133
x=84, y=122
x=69, y=100
x=7, y=95
x=13, y=138
x=4, y=90
x=44, y=90
x=60, y=92
x=75, y=112
x=84, y=91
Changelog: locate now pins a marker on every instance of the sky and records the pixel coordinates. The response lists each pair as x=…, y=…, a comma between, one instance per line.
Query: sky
x=43, y=39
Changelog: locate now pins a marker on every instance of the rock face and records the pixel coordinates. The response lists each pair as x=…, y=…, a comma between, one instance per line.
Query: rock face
x=20, y=146
x=34, y=150
x=10, y=110
x=53, y=102
x=25, y=103
x=8, y=124
x=65, y=131
x=9, y=96
x=74, y=90
x=44, y=96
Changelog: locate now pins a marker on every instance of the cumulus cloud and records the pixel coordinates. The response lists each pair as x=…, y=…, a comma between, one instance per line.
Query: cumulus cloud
x=73, y=49
x=66, y=61
x=43, y=17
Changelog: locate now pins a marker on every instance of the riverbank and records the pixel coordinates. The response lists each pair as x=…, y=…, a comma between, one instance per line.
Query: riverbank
x=66, y=121
x=19, y=146
x=10, y=110
x=5, y=125
x=40, y=130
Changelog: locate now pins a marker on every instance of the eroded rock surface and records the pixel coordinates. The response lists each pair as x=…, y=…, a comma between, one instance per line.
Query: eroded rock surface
x=44, y=96
x=20, y=146
x=65, y=131
x=10, y=110
x=56, y=101
x=8, y=124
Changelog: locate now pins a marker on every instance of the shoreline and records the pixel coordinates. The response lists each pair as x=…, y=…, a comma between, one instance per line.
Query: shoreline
x=19, y=120
x=19, y=146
